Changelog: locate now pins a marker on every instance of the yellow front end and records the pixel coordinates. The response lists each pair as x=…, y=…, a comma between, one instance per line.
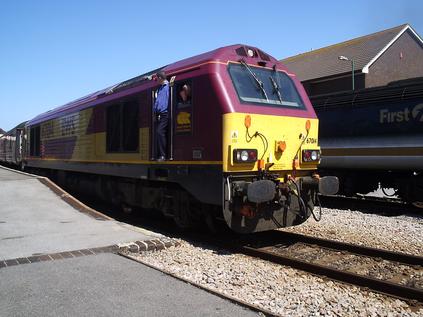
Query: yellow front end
x=268, y=164
x=279, y=142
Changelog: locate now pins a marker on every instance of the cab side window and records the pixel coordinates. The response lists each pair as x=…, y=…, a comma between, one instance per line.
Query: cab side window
x=184, y=94
x=183, y=108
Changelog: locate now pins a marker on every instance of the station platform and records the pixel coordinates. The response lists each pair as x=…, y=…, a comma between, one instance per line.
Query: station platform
x=37, y=217
x=56, y=259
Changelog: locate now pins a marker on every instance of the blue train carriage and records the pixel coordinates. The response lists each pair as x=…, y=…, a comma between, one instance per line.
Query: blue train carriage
x=374, y=136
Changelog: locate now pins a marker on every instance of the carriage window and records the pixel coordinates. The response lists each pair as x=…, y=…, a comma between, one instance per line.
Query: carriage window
x=130, y=126
x=34, y=147
x=183, y=124
x=113, y=128
x=122, y=134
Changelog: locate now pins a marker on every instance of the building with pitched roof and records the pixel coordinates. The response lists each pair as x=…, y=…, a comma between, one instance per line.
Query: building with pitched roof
x=379, y=58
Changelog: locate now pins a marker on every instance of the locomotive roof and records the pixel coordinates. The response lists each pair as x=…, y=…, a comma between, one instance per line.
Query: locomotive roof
x=223, y=54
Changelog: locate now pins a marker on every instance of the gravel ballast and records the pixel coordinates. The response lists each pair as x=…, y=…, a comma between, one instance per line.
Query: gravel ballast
x=289, y=292
x=394, y=233
x=279, y=289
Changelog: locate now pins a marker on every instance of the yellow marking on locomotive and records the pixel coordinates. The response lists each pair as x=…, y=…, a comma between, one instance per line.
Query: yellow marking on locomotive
x=146, y=162
x=85, y=143
x=145, y=143
x=285, y=136
x=183, y=118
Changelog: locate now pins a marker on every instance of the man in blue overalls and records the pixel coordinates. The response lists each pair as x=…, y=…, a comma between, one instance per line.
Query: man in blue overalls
x=161, y=114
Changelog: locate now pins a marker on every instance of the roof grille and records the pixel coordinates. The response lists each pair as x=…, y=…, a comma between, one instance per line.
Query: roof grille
x=264, y=56
x=132, y=82
x=241, y=51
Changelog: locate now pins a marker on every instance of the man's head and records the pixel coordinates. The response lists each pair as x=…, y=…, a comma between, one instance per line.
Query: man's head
x=185, y=92
x=161, y=76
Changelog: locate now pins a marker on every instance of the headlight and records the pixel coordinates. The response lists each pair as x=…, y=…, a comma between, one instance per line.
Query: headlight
x=245, y=155
x=311, y=155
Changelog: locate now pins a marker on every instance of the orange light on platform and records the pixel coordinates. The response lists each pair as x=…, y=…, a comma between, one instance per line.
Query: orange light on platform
x=247, y=121
x=308, y=125
x=296, y=164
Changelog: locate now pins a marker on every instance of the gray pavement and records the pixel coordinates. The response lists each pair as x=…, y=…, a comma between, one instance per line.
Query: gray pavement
x=8, y=175
x=34, y=220
x=104, y=285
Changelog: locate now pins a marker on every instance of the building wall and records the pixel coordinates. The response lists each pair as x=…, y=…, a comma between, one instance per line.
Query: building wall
x=404, y=59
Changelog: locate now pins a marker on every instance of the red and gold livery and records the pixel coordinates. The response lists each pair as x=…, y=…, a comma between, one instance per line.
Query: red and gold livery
x=242, y=143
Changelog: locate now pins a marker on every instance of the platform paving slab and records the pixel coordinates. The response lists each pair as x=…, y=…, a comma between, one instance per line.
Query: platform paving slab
x=34, y=220
x=8, y=174
x=104, y=285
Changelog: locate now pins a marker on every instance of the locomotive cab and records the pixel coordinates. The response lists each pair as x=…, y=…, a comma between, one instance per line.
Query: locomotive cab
x=270, y=149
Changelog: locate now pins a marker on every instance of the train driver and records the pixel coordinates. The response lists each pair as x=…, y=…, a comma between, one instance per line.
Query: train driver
x=161, y=106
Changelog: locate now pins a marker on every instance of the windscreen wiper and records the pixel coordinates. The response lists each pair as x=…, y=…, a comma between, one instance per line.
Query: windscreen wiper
x=276, y=88
x=258, y=81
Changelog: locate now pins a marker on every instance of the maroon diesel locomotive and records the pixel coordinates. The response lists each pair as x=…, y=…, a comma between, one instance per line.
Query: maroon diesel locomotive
x=242, y=143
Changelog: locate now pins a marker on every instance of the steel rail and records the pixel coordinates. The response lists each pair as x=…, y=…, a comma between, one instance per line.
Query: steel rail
x=385, y=287
x=353, y=248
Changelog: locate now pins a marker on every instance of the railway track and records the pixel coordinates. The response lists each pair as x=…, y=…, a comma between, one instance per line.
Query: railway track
x=391, y=273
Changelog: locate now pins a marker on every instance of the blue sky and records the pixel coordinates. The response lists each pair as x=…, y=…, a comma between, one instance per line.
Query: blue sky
x=52, y=52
